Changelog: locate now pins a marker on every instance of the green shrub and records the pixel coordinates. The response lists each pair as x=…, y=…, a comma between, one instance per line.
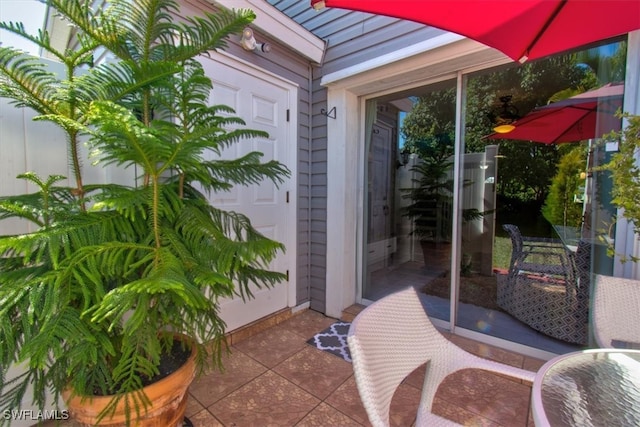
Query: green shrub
x=564, y=202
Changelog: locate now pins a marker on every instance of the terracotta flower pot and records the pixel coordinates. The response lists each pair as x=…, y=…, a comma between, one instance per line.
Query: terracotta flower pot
x=168, y=398
x=436, y=254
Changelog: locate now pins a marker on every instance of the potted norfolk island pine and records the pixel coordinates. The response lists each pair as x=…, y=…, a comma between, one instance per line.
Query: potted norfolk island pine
x=92, y=300
x=429, y=205
x=430, y=201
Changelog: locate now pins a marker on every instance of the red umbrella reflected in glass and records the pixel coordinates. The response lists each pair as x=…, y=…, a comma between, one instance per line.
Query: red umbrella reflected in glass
x=521, y=29
x=588, y=115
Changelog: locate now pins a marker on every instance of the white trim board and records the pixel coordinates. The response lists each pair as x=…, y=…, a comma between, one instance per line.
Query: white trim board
x=282, y=28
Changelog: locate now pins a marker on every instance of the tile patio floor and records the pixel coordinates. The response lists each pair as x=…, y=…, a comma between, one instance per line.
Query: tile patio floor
x=274, y=378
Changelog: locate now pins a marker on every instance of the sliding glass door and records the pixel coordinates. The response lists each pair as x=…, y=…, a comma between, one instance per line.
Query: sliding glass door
x=439, y=188
x=409, y=182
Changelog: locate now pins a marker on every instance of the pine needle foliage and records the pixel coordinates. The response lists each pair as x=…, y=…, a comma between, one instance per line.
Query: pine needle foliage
x=85, y=297
x=625, y=175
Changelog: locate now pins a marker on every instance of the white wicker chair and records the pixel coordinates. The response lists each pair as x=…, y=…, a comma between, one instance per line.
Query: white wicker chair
x=616, y=322
x=390, y=339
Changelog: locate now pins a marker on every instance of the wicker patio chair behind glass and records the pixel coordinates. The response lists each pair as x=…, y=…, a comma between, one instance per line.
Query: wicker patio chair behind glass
x=390, y=339
x=557, y=311
x=538, y=255
x=616, y=322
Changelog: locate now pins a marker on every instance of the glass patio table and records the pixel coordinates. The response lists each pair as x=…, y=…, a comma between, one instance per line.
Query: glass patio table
x=569, y=236
x=599, y=387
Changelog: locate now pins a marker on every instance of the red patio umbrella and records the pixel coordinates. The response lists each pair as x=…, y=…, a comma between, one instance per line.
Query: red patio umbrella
x=521, y=29
x=587, y=115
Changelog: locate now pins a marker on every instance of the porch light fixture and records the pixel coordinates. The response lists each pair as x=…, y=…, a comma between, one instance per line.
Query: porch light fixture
x=248, y=42
x=404, y=158
x=505, y=118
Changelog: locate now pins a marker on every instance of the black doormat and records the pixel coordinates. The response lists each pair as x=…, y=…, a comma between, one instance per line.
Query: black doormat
x=333, y=340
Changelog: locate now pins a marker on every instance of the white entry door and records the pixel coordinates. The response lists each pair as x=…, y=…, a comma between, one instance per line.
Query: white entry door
x=264, y=103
